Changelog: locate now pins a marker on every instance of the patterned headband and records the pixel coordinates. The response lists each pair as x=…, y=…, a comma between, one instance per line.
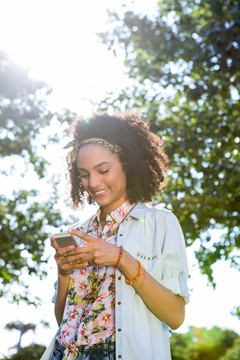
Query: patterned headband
x=76, y=146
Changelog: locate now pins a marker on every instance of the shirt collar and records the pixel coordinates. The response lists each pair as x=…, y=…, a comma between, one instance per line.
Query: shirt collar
x=139, y=211
x=117, y=215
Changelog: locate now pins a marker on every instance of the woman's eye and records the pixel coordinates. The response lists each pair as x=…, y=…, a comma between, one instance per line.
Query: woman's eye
x=83, y=176
x=103, y=171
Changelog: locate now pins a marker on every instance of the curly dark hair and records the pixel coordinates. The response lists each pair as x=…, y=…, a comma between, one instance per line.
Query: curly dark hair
x=142, y=156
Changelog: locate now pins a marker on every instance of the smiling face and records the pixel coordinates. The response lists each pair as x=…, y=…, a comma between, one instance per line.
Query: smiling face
x=102, y=176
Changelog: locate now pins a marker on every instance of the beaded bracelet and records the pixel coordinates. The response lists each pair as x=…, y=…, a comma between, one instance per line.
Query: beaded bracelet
x=130, y=282
x=119, y=256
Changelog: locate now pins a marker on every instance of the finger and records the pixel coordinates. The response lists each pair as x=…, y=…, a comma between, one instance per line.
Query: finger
x=86, y=237
x=79, y=258
x=66, y=251
x=70, y=249
x=66, y=265
x=54, y=243
x=71, y=252
x=91, y=262
x=73, y=262
x=80, y=265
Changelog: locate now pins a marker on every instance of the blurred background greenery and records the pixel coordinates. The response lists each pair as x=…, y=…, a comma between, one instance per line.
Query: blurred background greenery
x=182, y=63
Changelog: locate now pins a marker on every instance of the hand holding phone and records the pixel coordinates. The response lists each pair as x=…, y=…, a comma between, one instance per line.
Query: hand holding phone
x=65, y=239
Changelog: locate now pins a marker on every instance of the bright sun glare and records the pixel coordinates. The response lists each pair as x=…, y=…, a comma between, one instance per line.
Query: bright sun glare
x=57, y=42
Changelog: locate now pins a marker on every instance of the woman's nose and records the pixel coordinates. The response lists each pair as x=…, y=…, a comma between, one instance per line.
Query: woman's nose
x=94, y=181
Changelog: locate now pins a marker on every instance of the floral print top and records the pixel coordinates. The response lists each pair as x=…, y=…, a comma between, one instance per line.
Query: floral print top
x=90, y=321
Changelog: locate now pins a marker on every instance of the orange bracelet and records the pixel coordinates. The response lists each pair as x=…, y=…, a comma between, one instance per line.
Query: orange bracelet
x=119, y=256
x=130, y=282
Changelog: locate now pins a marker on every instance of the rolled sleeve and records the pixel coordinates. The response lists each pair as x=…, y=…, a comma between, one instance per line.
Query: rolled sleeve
x=55, y=292
x=174, y=258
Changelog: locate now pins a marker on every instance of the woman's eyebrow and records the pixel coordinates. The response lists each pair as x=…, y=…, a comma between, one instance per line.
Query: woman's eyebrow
x=96, y=166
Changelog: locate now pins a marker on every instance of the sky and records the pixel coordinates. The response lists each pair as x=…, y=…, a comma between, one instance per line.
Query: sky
x=57, y=42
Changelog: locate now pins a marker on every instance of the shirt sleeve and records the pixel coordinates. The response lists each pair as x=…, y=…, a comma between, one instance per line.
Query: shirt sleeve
x=174, y=258
x=55, y=292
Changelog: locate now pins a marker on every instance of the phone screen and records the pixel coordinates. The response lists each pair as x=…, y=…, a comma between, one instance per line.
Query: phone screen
x=65, y=239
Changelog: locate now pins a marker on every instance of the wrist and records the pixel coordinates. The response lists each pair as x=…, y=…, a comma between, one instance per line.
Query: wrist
x=131, y=282
x=63, y=273
x=119, y=256
x=128, y=265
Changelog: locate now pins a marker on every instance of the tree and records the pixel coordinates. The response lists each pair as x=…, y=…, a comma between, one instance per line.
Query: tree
x=184, y=62
x=31, y=352
x=202, y=344
x=233, y=353
x=236, y=312
x=24, y=213
x=23, y=328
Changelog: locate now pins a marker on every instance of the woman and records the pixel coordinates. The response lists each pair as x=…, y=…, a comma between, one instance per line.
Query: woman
x=119, y=291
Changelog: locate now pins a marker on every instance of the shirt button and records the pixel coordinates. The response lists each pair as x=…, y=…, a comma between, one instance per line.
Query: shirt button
x=120, y=234
x=119, y=278
x=119, y=329
x=119, y=356
x=119, y=303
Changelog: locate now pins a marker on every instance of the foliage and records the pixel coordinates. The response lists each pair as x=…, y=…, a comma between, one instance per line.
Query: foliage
x=31, y=352
x=233, y=353
x=18, y=325
x=22, y=235
x=24, y=213
x=184, y=62
x=22, y=328
x=236, y=312
x=202, y=344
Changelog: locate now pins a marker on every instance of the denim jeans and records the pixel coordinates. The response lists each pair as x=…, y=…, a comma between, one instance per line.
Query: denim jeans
x=102, y=351
x=58, y=352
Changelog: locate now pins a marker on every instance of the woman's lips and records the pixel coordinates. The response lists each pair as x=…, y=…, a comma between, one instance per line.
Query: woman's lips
x=100, y=193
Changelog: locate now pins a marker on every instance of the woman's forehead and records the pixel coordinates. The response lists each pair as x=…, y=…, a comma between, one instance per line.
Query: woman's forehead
x=93, y=154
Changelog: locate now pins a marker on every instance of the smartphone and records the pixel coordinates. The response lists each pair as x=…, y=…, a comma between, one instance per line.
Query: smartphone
x=65, y=239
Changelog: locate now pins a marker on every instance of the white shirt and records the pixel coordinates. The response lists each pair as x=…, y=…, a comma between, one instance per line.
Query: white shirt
x=155, y=238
